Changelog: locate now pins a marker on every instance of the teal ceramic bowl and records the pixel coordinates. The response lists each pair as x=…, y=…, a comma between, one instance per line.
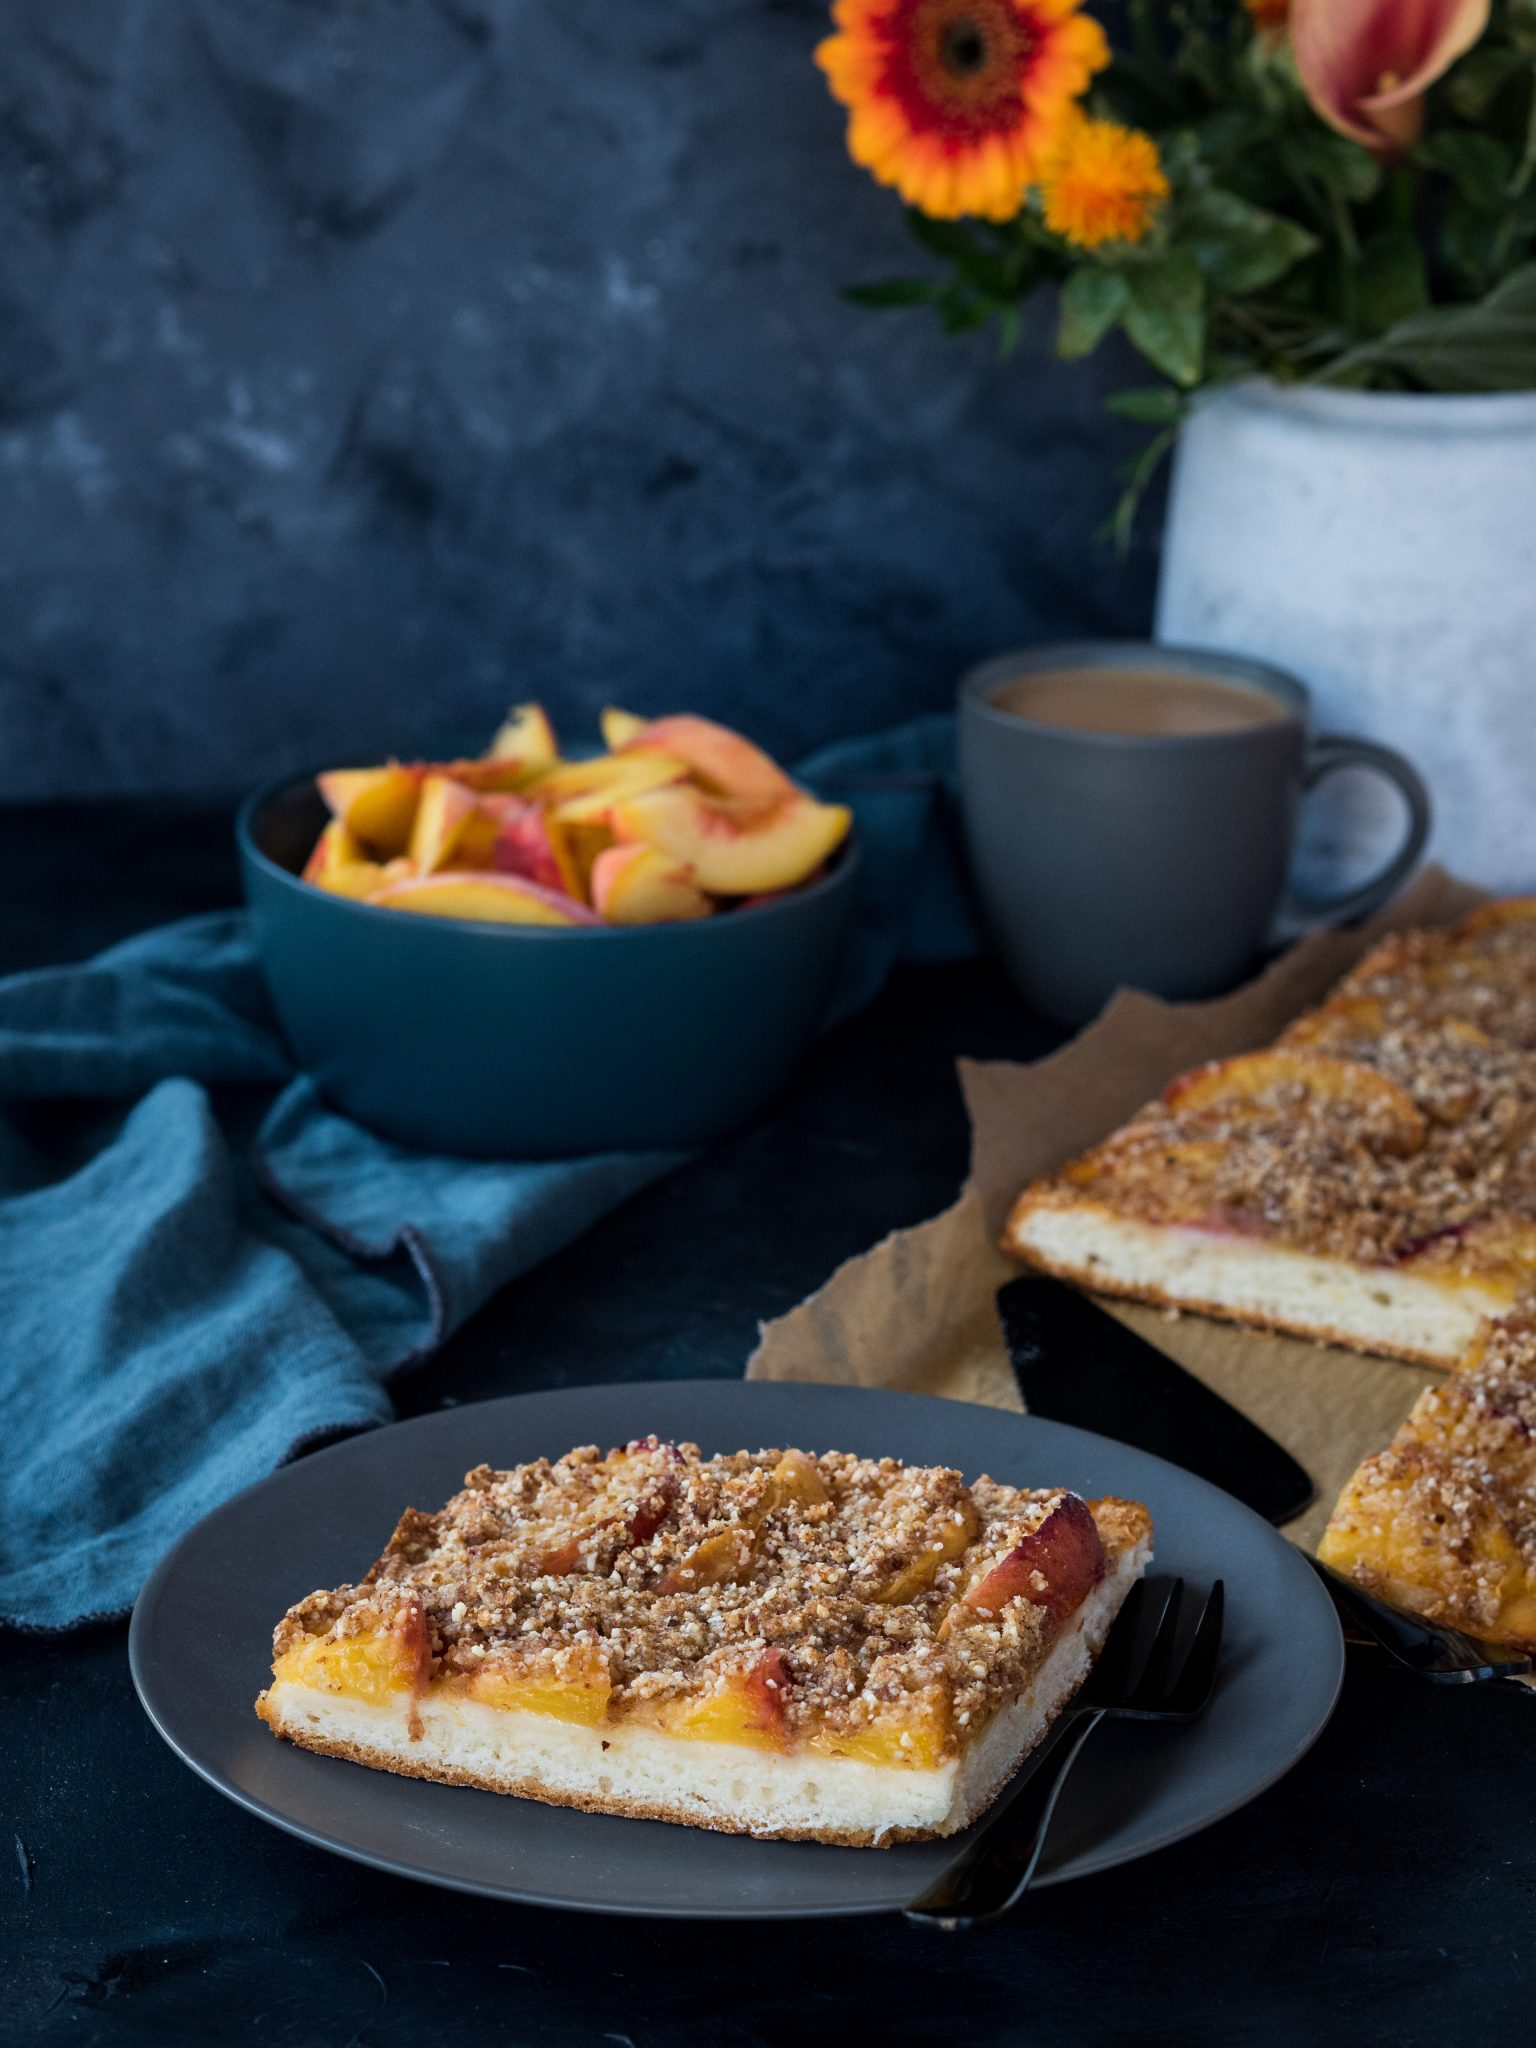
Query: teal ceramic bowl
x=528, y=1042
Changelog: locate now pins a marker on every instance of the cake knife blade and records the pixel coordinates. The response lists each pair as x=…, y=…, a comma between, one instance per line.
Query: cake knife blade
x=1076, y=1363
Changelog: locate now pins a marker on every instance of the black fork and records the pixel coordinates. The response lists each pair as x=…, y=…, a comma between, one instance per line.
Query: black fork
x=998, y=1862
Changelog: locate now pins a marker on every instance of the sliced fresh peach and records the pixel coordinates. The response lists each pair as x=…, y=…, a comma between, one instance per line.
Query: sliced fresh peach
x=1056, y=1566
x=527, y=738
x=335, y=848
x=442, y=817
x=735, y=849
x=377, y=805
x=577, y=832
x=722, y=760
x=1253, y=1078
x=637, y=885
x=620, y=727
x=494, y=899
x=512, y=836
x=605, y=774
x=378, y=1666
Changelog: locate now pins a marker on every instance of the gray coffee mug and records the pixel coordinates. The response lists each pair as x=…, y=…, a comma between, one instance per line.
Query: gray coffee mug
x=1153, y=860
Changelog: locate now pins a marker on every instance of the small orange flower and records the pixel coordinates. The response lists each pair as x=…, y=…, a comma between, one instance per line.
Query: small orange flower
x=957, y=102
x=1103, y=183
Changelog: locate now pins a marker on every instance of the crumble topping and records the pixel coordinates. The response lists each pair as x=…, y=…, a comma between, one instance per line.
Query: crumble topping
x=665, y=1576
x=1444, y=1519
x=1436, y=1166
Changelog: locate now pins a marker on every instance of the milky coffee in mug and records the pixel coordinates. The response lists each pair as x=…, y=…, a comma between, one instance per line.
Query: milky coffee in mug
x=1130, y=814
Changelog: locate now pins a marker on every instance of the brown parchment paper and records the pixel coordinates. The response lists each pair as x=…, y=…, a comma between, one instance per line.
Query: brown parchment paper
x=918, y=1313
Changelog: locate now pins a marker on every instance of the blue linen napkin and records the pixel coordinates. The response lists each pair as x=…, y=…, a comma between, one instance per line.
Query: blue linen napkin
x=203, y=1269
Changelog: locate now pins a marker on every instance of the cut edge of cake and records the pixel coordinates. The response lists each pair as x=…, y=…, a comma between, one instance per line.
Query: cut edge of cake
x=643, y=1772
x=1430, y=1320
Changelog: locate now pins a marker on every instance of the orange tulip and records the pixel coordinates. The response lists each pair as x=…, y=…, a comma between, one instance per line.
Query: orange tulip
x=1367, y=64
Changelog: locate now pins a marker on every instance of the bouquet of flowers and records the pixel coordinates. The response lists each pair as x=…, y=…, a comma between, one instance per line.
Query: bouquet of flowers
x=1335, y=190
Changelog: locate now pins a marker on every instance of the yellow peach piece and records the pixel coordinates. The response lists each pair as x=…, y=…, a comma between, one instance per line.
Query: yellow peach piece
x=1497, y=916
x=722, y=760
x=920, y=1574
x=334, y=848
x=620, y=727
x=527, y=738
x=378, y=1666
x=605, y=775
x=377, y=805
x=493, y=899
x=358, y=879
x=735, y=849
x=637, y=885
x=1259, y=1079
x=443, y=817
x=907, y=1737
x=579, y=1693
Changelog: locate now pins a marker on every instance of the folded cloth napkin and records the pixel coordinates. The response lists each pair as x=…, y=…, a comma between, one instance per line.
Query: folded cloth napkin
x=203, y=1269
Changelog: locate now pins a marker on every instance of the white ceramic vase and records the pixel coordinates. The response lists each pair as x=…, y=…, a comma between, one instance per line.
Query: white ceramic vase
x=1382, y=547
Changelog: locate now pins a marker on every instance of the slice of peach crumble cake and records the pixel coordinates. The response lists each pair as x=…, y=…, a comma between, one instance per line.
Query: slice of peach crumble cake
x=832, y=1648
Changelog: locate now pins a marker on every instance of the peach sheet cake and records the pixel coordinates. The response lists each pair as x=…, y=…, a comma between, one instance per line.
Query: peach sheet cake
x=1369, y=1180
x=832, y=1648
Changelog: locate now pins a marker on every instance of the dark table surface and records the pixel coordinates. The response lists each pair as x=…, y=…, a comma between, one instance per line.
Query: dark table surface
x=1385, y=1892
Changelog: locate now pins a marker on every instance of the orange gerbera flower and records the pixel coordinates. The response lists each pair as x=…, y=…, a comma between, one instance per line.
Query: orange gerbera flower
x=1102, y=183
x=956, y=102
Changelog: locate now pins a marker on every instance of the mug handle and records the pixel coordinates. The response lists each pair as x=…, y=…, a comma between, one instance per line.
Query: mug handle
x=1328, y=753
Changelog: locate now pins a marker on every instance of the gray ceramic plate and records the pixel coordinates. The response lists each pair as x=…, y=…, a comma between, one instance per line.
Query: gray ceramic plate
x=201, y=1632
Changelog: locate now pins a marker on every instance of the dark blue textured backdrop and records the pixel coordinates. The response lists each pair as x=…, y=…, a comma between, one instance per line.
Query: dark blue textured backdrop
x=365, y=364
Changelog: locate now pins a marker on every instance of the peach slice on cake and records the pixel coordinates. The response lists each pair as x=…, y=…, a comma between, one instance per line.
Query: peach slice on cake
x=722, y=760
x=377, y=805
x=1055, y=1566
x=637, y=885
x=1285, y=1080
x=1497, y=917
x=376, y=1665
x=734, y=848
x=491, y=898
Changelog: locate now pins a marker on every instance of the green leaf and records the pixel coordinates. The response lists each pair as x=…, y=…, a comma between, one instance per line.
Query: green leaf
x=1479, y=166
x=1155, y=405
x=893, y=291
x=1165, y=314
x=946, y=238
x=1479, y=78
x=1388, y=283
x=1316, y=156
x=1490, y=346
x=1092, y=300
x=1239, y=248
x=960, y=310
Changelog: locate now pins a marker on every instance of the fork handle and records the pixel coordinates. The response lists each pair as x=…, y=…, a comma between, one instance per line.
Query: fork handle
x=996, y=1868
